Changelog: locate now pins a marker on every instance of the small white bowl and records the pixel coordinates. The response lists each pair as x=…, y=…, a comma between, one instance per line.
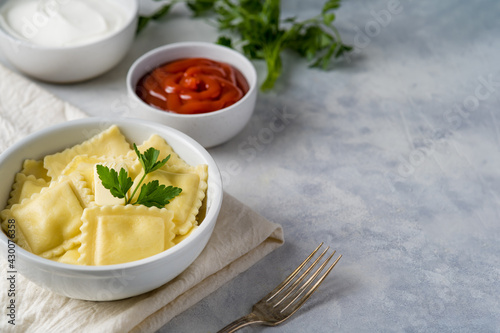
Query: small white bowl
x=211, y=128
x=112, y=282
x=72, y=63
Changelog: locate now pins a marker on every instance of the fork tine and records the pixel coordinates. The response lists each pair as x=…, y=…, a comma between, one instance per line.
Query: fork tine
x=302, y=277
x=314, y=287
x=287, y=281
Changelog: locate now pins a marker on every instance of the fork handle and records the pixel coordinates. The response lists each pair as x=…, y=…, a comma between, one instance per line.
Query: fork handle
x=249, y=319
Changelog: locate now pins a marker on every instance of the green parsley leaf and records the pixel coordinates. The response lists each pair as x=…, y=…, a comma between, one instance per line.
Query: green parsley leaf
x=149, y=159
x=200, y=7
x=330, y=5
x=225, y=41
x=154, y=194
x=144, y=20
x=117, y=184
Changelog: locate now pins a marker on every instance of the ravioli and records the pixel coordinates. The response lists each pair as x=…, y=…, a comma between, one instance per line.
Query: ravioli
x=36, y=169
x=118, y=234
x=157, y=142
x=110, y=143
x=193, y=181
x=84, y=165
x=48, y=223
x=71, y=256
x=24, y=187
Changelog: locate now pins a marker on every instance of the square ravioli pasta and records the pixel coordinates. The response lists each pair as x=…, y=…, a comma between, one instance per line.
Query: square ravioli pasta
x=110, y=143
x=193, y=181
x=24, y=187
x=118, y=234
x=48, y=222
x=63, y=212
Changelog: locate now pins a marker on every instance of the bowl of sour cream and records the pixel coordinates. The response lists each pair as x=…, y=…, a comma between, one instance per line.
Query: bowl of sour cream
x=64, y=41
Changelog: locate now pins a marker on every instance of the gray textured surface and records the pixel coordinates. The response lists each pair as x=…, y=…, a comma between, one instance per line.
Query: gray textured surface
x=392, y=158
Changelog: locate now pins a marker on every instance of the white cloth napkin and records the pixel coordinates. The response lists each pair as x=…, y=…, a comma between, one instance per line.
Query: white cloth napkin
x=26, y=108
x=241, y=238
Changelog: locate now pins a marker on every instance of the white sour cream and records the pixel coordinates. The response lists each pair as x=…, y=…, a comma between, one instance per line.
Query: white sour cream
x=62, y=23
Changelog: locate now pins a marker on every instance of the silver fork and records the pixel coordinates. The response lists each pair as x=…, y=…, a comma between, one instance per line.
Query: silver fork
x=281, y=303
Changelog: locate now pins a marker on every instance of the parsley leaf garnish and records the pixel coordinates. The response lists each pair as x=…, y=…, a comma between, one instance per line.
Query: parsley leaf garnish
x=151, y=194
x=117, y=183
x=149, y=159
x=154, y=194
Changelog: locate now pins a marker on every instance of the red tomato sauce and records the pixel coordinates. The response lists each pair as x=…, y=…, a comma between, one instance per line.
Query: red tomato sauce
x=192, y=85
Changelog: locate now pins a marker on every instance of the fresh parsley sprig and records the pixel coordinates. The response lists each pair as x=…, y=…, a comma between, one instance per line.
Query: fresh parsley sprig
x=151, y=194
x=263, y=34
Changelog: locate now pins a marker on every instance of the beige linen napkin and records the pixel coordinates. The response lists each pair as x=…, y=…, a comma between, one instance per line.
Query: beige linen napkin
x=241, y=238
x=26, y=108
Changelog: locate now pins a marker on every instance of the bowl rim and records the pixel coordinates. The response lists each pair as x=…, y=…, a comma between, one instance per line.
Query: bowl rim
x=211, y=215
x=132, y=17
x=136, y=66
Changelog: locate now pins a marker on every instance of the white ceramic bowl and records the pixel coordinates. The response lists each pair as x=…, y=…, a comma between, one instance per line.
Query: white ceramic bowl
x=114, y=281
x=75, y=63
x=209, y=129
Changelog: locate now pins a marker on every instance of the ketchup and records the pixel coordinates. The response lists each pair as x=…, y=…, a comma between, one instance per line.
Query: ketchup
x=192, y=85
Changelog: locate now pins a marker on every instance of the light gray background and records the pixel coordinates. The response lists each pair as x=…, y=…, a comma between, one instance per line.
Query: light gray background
x=392, y=158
